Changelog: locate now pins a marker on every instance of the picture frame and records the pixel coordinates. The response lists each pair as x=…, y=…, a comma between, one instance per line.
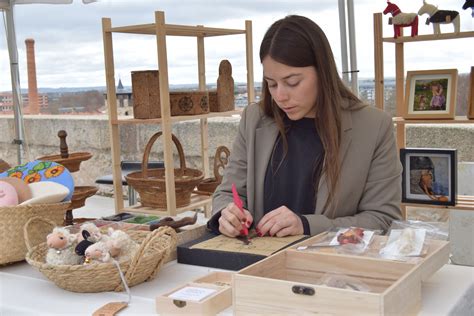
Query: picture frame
x=430, y=94
x=429, y=176
x=470, y=113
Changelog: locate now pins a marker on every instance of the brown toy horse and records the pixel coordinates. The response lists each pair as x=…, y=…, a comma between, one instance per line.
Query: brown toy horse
x=401, y=19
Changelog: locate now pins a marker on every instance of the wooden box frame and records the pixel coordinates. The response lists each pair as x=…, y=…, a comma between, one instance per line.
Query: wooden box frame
x=426, y=80
x=211, y=305
x=286, y=283
x=418, y=195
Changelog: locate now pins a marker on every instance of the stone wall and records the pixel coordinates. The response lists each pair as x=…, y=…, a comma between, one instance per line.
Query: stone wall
x=91, y=134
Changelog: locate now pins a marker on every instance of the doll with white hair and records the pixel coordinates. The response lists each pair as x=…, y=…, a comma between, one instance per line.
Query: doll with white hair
x=98, y=252
x=121, y=246
x=94, y=231
x=61, y=245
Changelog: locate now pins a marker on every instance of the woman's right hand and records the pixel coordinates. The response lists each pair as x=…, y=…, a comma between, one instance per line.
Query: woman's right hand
x=233, y=221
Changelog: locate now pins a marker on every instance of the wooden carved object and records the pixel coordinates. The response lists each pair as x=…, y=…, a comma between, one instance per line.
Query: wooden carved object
x=175, y=224
x=400, y=19
x=225, y=87
x=62, y=134
x=438, y=17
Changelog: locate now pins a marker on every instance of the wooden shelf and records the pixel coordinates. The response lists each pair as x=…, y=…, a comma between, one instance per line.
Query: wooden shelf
x=161, y=30
x=464, y=202
x=175, y=30
x=456, y=120
x=124, y=121
x=429, y=37
x=197, y=201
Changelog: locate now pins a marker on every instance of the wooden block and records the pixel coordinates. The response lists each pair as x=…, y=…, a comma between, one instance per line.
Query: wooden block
x=213, y=106
x=189, y=102
x=146, y=94
x=225, y=88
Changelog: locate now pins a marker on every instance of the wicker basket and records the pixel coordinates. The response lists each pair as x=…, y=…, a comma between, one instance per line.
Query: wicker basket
x=12, y=220
x=151, y=185
x=80, y=194
x=210, y=184
x=155, y=247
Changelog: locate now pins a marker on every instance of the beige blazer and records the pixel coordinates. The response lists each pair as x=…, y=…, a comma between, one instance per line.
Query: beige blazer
x=369, y=193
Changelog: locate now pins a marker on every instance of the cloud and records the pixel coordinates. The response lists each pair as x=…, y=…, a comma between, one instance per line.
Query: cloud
x=69, y=47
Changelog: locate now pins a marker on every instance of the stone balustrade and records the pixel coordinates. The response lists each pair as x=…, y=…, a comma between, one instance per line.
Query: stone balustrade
x=91, y=134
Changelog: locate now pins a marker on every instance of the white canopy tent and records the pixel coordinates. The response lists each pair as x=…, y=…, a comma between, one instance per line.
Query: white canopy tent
x=8, y=7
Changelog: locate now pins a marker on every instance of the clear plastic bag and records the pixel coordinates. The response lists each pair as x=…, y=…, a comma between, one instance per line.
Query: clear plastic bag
x=347, y=240
x=342, y=281
x=402, y=243
x=434, y=230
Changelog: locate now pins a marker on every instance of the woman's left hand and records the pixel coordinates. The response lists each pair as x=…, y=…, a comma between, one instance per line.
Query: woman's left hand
x=280, y=222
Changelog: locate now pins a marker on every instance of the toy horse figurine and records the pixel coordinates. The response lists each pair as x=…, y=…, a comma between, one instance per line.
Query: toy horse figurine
x=438, y=17
x=469, y=4
x=400, y=19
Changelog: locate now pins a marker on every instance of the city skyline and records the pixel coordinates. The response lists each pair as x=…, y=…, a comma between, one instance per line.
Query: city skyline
x=72, y=55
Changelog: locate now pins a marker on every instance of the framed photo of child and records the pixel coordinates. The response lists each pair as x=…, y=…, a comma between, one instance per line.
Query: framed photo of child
x=430, y=94
x=429, y=176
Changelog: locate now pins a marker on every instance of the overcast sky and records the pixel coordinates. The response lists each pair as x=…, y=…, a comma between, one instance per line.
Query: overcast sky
x=69, y=47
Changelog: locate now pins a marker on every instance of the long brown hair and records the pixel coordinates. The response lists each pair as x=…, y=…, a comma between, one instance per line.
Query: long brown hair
x=297, y=41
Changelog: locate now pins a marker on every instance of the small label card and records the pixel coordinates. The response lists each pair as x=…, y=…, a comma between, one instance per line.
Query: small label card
x=192, y=293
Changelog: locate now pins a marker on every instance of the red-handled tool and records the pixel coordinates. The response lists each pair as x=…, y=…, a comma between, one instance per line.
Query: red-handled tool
x=238, y=202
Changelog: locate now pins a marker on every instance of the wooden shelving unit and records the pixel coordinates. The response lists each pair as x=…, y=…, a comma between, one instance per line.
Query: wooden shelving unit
x=160, y=29
x=463, y=202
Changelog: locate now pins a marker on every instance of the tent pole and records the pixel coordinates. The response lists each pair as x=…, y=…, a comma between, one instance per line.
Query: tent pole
x=15, y=75
x=342, y=30
x=352, y=47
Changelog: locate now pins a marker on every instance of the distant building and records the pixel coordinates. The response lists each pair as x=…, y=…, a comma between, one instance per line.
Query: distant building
x=124, y=96
x=6, y=102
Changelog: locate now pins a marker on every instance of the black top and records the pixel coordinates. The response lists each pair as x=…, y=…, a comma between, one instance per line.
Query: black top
x=293, y=183
x=291, y=180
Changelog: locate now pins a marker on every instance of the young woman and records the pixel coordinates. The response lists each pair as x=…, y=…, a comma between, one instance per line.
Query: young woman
x=310, y=156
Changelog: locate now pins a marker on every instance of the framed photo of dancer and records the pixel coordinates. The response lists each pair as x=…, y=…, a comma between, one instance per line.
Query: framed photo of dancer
x=429, y=176
x=430, y=94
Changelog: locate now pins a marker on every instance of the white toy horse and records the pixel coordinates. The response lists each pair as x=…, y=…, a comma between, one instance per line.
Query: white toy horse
x=438, y=17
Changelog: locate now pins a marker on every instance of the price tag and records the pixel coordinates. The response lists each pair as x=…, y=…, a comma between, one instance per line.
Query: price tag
x=110, y=309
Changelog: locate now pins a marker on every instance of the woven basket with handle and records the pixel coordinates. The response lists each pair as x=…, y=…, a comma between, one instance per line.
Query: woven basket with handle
x=12, y=220
x=154, y=248
x=150, y=183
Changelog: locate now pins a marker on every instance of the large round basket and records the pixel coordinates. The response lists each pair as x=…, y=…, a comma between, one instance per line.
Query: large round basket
x=151, y=185
x=154, y=248
x=12, y=220
x=221, y=158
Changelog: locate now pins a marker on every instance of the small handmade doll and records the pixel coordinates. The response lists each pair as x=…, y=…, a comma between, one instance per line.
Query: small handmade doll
x=121, y=246
x=61, y=245
x=98, y=253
